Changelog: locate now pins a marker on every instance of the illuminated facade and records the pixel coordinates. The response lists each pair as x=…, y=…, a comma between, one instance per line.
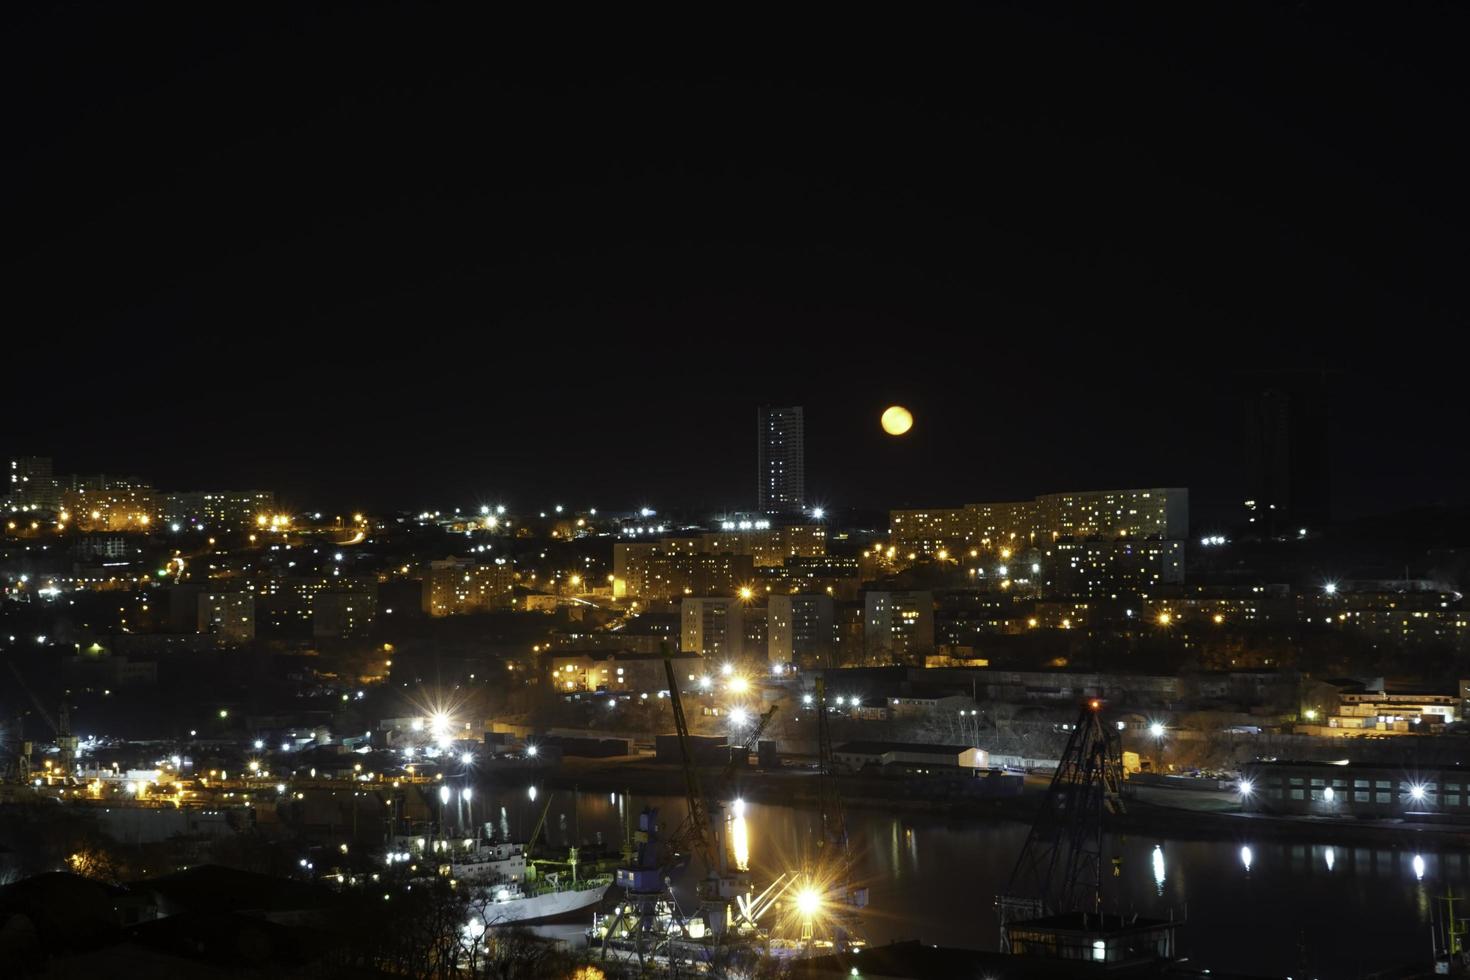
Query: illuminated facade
x=930, y=531
x=581, y=671
x=628, y=566
x=1149, y=514
x=456, y=586
x=768, y=547
x=219, y=508
x=838, y=577
x=661, y=576
x=99, y=504
x=1156, y=513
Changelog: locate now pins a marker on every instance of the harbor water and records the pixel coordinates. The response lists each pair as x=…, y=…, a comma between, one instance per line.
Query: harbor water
x=1263, y=907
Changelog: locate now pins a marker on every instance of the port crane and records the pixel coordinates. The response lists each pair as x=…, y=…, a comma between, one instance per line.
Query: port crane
x=649, y=922
x=1060, y=868
x=60, y=725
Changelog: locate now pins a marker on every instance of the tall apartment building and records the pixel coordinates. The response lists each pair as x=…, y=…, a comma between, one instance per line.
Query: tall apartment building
x=898, y=625
x=31, y=484
x=799, y=630
x=1286, y=426
x=780, y=460
x=713, y=626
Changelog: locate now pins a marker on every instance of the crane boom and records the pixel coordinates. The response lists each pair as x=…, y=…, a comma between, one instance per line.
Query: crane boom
x=540, y=822
x=35, y=700
x=60, y=726
x=737, y=757
x=698, y=829
x=834, y=822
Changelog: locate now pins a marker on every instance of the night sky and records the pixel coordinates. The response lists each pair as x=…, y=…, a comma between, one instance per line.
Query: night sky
x=391, y=256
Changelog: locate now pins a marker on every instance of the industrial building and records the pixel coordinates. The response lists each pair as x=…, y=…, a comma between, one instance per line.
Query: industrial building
x=1352, y=790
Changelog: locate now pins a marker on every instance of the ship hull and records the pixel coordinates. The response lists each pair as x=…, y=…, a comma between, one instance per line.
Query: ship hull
x=547, y=907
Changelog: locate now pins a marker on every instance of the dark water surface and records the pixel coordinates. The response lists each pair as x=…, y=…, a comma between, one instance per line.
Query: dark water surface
x=1302, y=910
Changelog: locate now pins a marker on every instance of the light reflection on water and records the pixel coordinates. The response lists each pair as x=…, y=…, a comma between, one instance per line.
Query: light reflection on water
x=935, y=878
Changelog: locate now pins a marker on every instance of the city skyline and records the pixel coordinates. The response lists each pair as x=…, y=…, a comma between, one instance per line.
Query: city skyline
x=382, y=568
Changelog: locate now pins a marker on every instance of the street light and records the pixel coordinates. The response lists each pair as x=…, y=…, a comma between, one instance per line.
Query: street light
x=1156, y=729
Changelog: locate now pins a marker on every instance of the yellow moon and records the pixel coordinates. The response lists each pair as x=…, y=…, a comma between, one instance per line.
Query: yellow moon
x=897, y=420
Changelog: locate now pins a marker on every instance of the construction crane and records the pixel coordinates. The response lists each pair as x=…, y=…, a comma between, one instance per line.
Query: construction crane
x=1060, y=868
x=60, y=725
x=696, y=831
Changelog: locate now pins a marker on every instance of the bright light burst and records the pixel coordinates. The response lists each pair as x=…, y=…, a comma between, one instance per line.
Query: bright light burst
x=808, y=902
x=740, y=836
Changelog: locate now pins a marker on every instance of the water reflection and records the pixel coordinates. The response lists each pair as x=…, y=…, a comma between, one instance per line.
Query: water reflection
x=933, y=879
x=739, y=837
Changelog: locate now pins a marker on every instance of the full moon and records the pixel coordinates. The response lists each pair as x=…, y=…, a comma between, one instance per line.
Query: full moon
x=897, y=420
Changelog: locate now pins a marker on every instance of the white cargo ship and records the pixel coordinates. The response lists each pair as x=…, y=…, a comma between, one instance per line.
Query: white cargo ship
x=518, y=890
